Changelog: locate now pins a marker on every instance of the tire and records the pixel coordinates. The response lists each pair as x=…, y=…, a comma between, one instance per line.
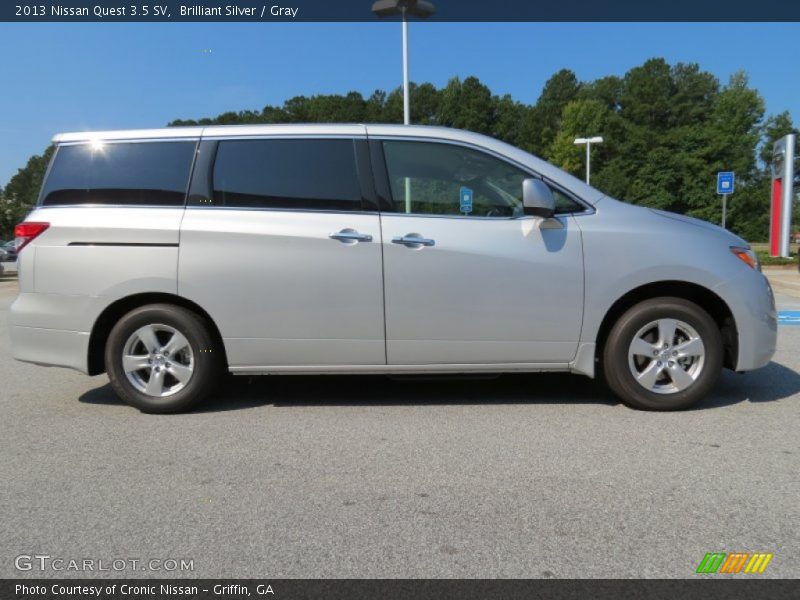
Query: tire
x=185, y=374
x=646, y=374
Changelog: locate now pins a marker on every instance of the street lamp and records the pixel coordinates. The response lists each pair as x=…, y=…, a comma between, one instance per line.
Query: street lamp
x=588, y=141
x=404, y=8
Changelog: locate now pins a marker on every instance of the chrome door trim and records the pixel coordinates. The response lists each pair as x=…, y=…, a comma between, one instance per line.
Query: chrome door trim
x=350, y=236
x=412, y=240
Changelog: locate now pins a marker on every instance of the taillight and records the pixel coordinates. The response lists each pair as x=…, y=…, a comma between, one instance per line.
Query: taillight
x=26, y=232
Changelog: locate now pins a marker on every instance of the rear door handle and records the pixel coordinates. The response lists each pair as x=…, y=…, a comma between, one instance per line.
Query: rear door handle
x=413, y=240
x=350, y=236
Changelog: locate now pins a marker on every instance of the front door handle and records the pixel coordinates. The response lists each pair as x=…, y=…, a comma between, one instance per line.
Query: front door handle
x=413, y=240
x=350, y=236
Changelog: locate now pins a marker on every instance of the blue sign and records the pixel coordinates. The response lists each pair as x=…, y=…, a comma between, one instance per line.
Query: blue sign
x=789, y=317
x=725, y=181
x=465, y=200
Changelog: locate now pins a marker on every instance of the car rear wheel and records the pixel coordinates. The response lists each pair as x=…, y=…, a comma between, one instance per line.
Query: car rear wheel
x=162, y=358
x=663, y=354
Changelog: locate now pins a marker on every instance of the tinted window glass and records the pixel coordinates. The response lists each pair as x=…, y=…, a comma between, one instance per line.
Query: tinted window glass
x=296, y=174
x=445, y=179
x=146, y=173
x=565, y=204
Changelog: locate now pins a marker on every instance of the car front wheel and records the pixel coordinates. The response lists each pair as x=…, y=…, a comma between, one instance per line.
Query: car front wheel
x=663, y=354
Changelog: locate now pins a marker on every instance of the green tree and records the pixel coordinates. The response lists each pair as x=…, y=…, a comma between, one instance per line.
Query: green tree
x=375, y=107
x=775, y=128
x=739, y=112
x=508, y=114
x=579, y=118
x=467, y=105
x=607, y=90
x=645, y=95
x=22, y=191
x=543, y=121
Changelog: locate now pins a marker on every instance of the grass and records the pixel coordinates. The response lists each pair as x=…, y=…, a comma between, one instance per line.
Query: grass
x=762, y=250
x=771, y=261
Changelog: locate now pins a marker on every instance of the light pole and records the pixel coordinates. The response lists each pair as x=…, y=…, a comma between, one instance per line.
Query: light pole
x=405, y=8
x=588, y=141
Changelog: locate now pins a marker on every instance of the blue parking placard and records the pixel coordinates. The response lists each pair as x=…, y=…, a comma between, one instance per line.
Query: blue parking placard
x=789, y=317
x=465, y=200
x=725, y=182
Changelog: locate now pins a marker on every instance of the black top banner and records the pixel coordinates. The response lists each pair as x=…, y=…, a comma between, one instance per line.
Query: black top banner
x=360, y=10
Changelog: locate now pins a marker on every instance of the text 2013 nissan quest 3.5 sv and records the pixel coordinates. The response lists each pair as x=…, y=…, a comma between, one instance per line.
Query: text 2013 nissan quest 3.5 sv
x=164, y=257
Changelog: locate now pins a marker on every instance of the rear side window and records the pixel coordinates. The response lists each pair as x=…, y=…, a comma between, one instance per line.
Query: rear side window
x=135, y=173
x=292, y=174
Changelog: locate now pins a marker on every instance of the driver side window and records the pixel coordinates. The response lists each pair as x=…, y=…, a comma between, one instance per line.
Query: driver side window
x=445, y=179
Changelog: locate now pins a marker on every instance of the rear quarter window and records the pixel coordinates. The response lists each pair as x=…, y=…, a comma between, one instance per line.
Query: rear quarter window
x=129, y=173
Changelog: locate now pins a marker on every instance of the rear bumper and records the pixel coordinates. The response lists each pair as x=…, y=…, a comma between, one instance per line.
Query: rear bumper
x=50, y=347
x=51, y=329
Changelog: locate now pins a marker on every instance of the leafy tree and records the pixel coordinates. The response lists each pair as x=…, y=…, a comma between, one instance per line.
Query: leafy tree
x=737, y=122
x=375, y=106
x=22, y=191
x=467, y=105
x=579, y=118
x=775, y=128
x=508, y=114
x=607, y=90
x=425, y=103
x=543, y=121
x=645, y=96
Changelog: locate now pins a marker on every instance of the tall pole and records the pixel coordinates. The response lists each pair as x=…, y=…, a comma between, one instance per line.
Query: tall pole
x=780, y=223
x=406, y=102
x=588, y=141
x=788, y=195
x=421, y=9
x=724, y=209
x=588, y=161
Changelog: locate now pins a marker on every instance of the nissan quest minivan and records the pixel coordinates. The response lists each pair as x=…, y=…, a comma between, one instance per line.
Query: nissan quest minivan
x=164, y=257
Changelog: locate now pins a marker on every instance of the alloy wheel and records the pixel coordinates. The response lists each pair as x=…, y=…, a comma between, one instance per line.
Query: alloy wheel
x=158, y=360
x=666, y=356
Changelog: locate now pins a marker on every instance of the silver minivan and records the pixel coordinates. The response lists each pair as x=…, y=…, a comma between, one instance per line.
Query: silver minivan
x=164, y=257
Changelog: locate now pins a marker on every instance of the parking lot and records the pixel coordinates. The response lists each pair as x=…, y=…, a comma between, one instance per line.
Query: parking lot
x=521, y=476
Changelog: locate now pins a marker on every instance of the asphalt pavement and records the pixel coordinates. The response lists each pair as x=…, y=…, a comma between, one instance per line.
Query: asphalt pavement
x=521, y=476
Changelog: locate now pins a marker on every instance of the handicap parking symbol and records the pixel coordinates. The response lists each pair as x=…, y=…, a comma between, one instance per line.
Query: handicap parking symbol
x=465, y=200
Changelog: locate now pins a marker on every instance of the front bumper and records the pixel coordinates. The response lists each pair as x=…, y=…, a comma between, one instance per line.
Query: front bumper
x=753, y=306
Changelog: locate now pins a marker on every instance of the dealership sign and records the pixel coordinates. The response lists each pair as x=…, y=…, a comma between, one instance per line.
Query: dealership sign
x=780, y=219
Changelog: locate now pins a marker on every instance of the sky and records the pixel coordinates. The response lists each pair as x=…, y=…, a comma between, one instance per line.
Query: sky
x=94, y=76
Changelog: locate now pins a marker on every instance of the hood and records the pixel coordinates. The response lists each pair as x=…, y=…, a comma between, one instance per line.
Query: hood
x=710, y=227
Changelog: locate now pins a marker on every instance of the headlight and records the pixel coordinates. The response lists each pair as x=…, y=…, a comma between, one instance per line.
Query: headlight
x=747, y=256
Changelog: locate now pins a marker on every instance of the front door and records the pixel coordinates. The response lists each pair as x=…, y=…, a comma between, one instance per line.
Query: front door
x=468, y=279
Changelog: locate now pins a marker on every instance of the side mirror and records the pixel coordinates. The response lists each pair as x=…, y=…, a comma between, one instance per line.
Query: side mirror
x=537, y=199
